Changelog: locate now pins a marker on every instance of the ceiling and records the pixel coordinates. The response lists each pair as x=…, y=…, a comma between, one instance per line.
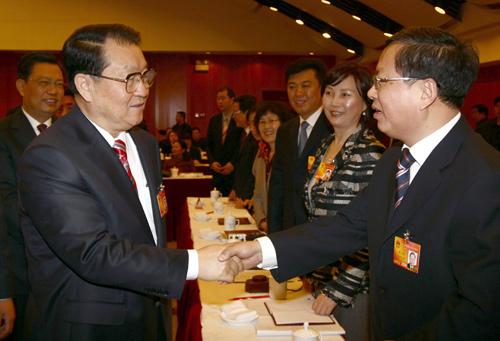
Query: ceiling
x=240, y=26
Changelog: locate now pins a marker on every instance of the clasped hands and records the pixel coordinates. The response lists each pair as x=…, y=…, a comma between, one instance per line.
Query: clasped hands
x=222, y=263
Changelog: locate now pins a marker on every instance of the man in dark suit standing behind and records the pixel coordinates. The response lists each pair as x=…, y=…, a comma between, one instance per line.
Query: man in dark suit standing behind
x=91, y=194
x=223, y=139
x=40, y=82
x=244, y=181
x=297, y=140
x=436, y=197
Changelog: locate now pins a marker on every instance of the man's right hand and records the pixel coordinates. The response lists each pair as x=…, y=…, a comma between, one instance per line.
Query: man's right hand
x=216, y=167
x=250, y=253
x=7, y=316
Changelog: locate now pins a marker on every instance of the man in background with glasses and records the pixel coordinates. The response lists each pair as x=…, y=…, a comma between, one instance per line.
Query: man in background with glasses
x=41, y=84
x=91, y=191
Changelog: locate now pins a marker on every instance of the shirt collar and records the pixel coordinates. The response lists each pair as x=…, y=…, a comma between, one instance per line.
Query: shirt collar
x=313, y=118
x=107, y=136
x=423, y=148
x=34, y=123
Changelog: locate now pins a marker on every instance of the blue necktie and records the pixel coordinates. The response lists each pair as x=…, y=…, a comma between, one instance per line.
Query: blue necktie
x=302, y=137
x=403, y=175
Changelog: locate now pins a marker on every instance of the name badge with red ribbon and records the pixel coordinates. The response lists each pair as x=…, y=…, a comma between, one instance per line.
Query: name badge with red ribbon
x=162, y=201
x=406, y=254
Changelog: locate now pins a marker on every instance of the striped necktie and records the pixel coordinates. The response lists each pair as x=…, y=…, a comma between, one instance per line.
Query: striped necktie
x=403, y=175
x=121, y=149
x=225, y=126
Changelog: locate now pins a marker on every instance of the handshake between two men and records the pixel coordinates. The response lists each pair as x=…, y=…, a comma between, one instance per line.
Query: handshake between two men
x=230, y=260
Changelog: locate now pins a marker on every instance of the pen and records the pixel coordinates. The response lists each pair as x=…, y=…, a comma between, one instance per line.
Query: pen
x=251, y=297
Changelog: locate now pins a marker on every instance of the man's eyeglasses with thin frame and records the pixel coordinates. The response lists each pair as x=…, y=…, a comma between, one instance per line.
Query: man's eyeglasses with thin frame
x=377, y=81
x=44, y=83
x=133, y=80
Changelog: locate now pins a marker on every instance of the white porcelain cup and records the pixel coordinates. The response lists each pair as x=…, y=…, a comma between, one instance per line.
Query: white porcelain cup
x=231, y=223
x=215, y=195
x=201, y=216
x=277, y=291
x=219, y=208
x=174, y=171
x=305, y=334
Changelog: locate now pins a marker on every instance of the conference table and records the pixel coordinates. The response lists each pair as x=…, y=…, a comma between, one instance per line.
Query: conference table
x=198, y=310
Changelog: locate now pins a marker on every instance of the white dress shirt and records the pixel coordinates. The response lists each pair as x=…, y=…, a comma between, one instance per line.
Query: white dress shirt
x=312, y=122
x=34, y=123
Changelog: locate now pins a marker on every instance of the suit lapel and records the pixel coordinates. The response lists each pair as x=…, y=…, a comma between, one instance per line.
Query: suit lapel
x=293, y=139
x=22, y=129
x=427, y=179
x=110, y=168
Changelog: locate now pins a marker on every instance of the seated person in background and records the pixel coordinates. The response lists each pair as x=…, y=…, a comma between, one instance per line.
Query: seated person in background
x=198, y=141
x=268, y=118
x=181, y=126
x=166, y=148
x=180, y=159
x=340, y=169
x=194, y=152
x=163, y=143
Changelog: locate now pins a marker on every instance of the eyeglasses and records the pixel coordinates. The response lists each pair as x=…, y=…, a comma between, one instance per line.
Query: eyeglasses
x=377, y=81
x=44, y=84
x=262, y=123
x=133, y=80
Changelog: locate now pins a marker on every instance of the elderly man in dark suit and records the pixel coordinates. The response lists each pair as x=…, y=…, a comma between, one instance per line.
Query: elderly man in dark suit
x=40, y=82
x=297, y=141
x=223, y=142
x=437, y=197
x=91, y=193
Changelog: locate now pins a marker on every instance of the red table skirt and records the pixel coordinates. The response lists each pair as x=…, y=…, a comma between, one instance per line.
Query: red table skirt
x=177, y=190
x=189, y=306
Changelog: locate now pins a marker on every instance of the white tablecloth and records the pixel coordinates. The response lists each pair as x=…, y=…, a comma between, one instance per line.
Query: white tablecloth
x=213, y=295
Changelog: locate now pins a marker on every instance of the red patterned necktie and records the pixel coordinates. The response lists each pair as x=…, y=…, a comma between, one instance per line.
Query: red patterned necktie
x=225, y=126
x=41, y=127
x=403, y=175
x=121, y=149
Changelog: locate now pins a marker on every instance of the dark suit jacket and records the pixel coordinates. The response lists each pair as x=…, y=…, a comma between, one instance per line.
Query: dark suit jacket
x=452, y=209
x=16, y=133
x=195, y=153
x=94, y=268
x=244, y=181
x=223, y=152
x=216, y=150
x=6, y=275
x=286, y=186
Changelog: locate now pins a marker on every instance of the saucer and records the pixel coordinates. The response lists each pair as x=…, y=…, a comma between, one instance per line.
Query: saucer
x=236, y=322
x=202, y=220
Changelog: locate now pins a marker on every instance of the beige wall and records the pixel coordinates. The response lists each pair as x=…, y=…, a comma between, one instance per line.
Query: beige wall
x=236, y=26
